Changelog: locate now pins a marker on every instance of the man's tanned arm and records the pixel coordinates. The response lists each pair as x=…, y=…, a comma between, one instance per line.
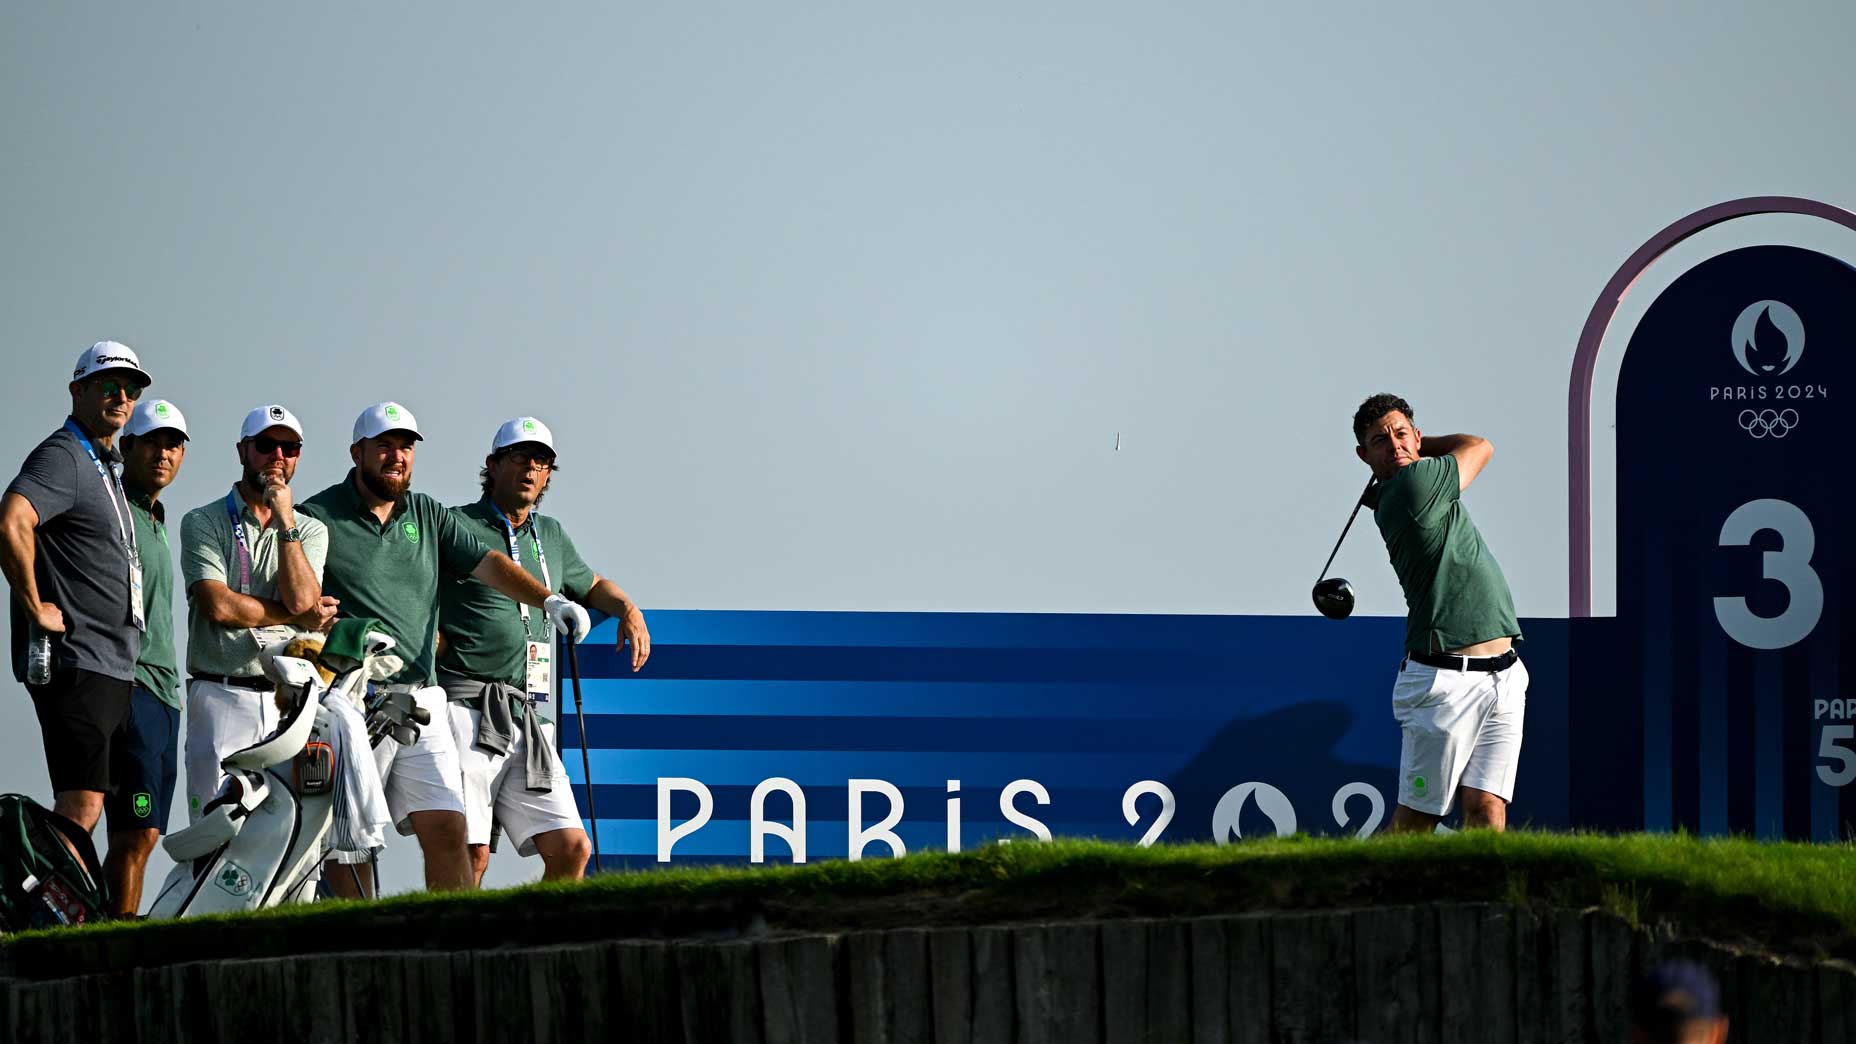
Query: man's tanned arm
x=1472, y=453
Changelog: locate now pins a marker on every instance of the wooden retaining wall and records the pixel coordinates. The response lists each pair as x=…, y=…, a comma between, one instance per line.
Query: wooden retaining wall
x=1434, y=974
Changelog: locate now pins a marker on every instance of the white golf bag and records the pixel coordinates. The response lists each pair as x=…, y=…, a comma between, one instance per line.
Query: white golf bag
x=262, y=841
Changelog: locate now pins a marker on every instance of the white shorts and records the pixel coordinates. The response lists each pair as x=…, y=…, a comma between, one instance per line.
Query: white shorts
x=1462, y=729
x=496, y=787
x=423, y=777
x=221, y=720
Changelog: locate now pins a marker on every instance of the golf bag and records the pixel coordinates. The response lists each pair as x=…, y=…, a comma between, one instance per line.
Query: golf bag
x=42, y=881
x=262, y=840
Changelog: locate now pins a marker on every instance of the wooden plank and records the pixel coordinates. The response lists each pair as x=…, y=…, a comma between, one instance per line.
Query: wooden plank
x=718, y=992
x=1211, y=991
x=1780, y=1001
x=1311, y=989
x=907, y=1004
x=1395, y=957
x=1836, y=1003
x=995, y=984
x=1250, y=983
x=1169, y=981
x=799, y=990
x=648, y=1007
x=1124, y=982
x=950, y=984
x=1612, y=944
x=1058, y=982
x=864, y=988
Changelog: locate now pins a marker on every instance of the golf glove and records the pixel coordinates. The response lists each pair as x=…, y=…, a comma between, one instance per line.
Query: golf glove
x=568, y=616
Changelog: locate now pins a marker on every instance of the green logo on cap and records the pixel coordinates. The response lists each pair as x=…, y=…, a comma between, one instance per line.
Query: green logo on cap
x=144, y=804
x=161, y=410
x=411, y=529
x=528, y=425
x=392, y=412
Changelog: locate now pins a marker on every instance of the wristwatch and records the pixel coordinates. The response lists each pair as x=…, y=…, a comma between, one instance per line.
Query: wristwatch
x=292, y=535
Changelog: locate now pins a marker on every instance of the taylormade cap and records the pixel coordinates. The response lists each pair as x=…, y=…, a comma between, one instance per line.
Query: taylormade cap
x=109, y=355
x=154, y=415
x=383, y=417
x=522, y=429
x=271, y=416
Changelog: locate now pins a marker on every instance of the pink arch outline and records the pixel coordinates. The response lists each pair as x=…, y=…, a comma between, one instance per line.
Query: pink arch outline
x=1585, y=360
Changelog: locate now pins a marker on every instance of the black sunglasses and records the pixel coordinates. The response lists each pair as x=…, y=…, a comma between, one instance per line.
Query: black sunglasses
x=127, y=389
x=265, y=446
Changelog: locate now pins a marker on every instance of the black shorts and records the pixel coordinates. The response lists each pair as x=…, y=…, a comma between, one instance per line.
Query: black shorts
x=78, y=712
x=144, y=757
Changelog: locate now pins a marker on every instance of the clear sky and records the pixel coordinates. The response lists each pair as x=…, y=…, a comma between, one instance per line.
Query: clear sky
x=844, y=306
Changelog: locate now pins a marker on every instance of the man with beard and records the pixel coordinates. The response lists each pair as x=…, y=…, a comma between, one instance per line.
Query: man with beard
x=253, y=569
x=388, y=550
x=495, y=664
x=143, y=749
x=67, y=546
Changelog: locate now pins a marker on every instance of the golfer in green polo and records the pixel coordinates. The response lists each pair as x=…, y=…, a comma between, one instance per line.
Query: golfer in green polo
x=389, y=549
x=494, y=660
x=1461, y=692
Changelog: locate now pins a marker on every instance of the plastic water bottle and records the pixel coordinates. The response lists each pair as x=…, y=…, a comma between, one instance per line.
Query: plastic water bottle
x=39, y=658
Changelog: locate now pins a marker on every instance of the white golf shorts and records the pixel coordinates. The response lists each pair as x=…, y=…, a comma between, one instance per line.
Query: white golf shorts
x=221, y=719
x=496, y=787
x=1461, y=729
x=422, y=777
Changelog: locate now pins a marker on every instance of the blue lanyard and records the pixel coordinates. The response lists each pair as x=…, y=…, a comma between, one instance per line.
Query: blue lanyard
x=112, y=488
x=238, y=534
x=515, y=554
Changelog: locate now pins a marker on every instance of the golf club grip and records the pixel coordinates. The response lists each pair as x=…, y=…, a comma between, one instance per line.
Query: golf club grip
x=586, y=762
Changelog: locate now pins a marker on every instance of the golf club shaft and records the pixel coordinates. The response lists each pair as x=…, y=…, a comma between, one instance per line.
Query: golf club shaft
x=586, y=763
x=1357, y=504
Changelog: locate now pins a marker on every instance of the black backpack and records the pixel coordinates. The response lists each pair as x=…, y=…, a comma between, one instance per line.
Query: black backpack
x=41, y=882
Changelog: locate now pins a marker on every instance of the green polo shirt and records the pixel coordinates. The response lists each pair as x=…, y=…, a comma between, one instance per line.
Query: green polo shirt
x=157, y=669
x=484, y=633
x=391, y=571
x=1455, y=594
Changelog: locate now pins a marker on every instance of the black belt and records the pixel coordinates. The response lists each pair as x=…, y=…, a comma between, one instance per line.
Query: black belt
x=1446, y=662
x=259, y=682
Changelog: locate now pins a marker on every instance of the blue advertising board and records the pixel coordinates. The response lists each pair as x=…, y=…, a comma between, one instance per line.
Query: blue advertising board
x=1732, y=636
x=1245, y=725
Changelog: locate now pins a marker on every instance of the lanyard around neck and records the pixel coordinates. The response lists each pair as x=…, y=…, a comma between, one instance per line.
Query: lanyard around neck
x=112, y=488
x=515, y=553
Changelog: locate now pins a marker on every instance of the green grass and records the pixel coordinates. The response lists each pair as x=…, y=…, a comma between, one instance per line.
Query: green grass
x=1788, y=898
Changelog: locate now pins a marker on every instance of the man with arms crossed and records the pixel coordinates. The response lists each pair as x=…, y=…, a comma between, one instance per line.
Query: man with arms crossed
x=67, y=545
x=1461, y=691
x=144, y=749
x=253, y=569
x=495, y=661
x=389, y=549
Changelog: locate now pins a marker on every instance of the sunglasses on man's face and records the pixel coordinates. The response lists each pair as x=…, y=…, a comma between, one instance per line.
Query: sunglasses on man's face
x=523, y=458
x=264, y=445
x=112, y=388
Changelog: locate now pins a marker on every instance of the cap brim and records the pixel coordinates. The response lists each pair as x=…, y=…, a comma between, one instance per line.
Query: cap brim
x=113, y=367
x=522, y=442
x=388, y=431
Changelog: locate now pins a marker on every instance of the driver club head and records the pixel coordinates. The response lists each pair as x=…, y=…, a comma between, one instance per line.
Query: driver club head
x=1334, y=598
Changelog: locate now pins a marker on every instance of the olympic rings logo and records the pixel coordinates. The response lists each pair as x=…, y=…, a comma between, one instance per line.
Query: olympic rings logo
x=1762, y=423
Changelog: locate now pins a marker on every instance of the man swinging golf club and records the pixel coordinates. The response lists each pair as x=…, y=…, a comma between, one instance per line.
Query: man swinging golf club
x=1461, y=691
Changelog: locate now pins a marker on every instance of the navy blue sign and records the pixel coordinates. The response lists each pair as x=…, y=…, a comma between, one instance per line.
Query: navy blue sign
x=939, y=730
x=1722, y=672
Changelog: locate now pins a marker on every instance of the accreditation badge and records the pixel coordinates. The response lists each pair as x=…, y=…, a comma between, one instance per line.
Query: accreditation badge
x=540, y=672
x=135, y=592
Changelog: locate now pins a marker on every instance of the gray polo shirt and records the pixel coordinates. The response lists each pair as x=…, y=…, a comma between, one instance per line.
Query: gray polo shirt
x=209, y=551
x=82, y=566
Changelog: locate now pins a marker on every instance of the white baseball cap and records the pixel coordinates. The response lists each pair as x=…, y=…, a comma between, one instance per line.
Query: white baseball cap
x=154, y=415
x=522, y=429
x=109, y=355
x=383, y=417
x=271, y=416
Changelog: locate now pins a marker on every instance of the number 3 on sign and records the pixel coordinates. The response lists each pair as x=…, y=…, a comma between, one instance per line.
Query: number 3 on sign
x=1789, y=565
